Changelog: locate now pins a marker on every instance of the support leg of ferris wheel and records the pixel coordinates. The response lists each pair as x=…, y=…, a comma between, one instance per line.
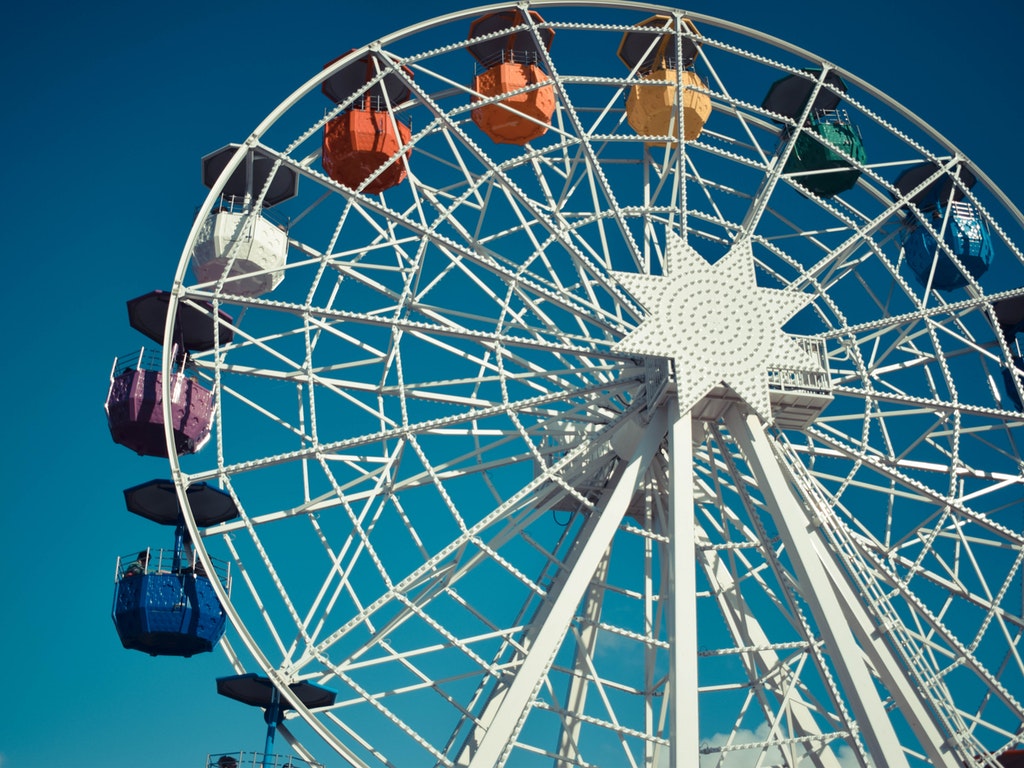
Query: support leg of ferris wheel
x=833, y=605
x=748, y=631
x=684, y=730
x=505, y=712
x=744, y=627
x=864, y=616
x=684, y=537
x=576, y=700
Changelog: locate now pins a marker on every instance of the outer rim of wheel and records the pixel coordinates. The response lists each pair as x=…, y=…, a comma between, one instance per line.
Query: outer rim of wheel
x=179, y=281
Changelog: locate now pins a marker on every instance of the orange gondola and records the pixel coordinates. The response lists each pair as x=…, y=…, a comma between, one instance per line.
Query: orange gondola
x=513, y=67
x=362, y=146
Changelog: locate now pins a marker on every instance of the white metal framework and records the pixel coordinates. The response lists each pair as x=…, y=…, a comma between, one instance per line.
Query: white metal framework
x=506, y=536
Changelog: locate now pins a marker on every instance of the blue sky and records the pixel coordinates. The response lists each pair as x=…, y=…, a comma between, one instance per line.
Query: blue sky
x=109, y=109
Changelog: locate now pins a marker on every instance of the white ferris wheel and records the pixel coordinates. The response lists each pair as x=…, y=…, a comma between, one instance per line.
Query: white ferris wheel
x=568, y=428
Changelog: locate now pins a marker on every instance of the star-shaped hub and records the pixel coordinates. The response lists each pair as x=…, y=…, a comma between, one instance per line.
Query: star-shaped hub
x=716, y=324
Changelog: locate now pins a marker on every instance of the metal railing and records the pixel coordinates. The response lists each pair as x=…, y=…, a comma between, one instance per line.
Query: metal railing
x=787, y=379
x=834, y=117
x=237, y=204
x=143, y=360
x=963, y=210
x=152, y=561
x=257, y=760
x=377, y=104
x=147, y=359
x=508, y=57
x=666, y=62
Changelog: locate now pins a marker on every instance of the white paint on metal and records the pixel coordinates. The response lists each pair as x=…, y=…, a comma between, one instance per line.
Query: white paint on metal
x=547, y=629
x=877, y=729
x=716, y=323
x=684, y=708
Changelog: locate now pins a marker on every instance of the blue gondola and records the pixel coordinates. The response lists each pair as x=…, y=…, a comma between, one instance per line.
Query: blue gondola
x=966, y=236
x=936, y=194
x=164, y=603
x=166, y=613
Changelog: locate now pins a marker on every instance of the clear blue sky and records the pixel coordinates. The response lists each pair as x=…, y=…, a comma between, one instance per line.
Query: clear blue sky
x=109, y=107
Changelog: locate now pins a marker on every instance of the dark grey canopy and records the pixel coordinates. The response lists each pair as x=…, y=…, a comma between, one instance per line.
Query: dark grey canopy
x=193, y=324
x=158, y=501
x=789, y=95
x=284, y=186
x=342, y=84
x=522, y=42
x=649, y=49
x=258, y=691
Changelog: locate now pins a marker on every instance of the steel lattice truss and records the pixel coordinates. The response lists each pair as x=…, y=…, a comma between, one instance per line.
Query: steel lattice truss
x=496, y=537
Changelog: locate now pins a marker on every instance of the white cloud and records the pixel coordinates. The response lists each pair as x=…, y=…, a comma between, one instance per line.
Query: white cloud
x=748, y=758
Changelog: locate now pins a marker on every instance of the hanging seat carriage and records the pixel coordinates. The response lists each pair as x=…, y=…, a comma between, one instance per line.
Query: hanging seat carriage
x=258, y=691
x=966, y=243
x=134, y=405
x=651, y=55
x=828, y=141
x=362, y=146
x=164, y=601
x=512, y=65
x=242, y=242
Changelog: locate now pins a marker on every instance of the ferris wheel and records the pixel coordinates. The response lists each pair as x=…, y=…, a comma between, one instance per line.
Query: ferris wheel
x=566, y=426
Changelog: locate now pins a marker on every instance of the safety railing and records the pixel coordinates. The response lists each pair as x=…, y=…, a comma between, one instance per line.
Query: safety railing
x=378, y=104
x=834, y=117
x=146, y=359
x=237, y=204
x=508, y=57
x=819, y=382
x=152, y=561
x=257, y=760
